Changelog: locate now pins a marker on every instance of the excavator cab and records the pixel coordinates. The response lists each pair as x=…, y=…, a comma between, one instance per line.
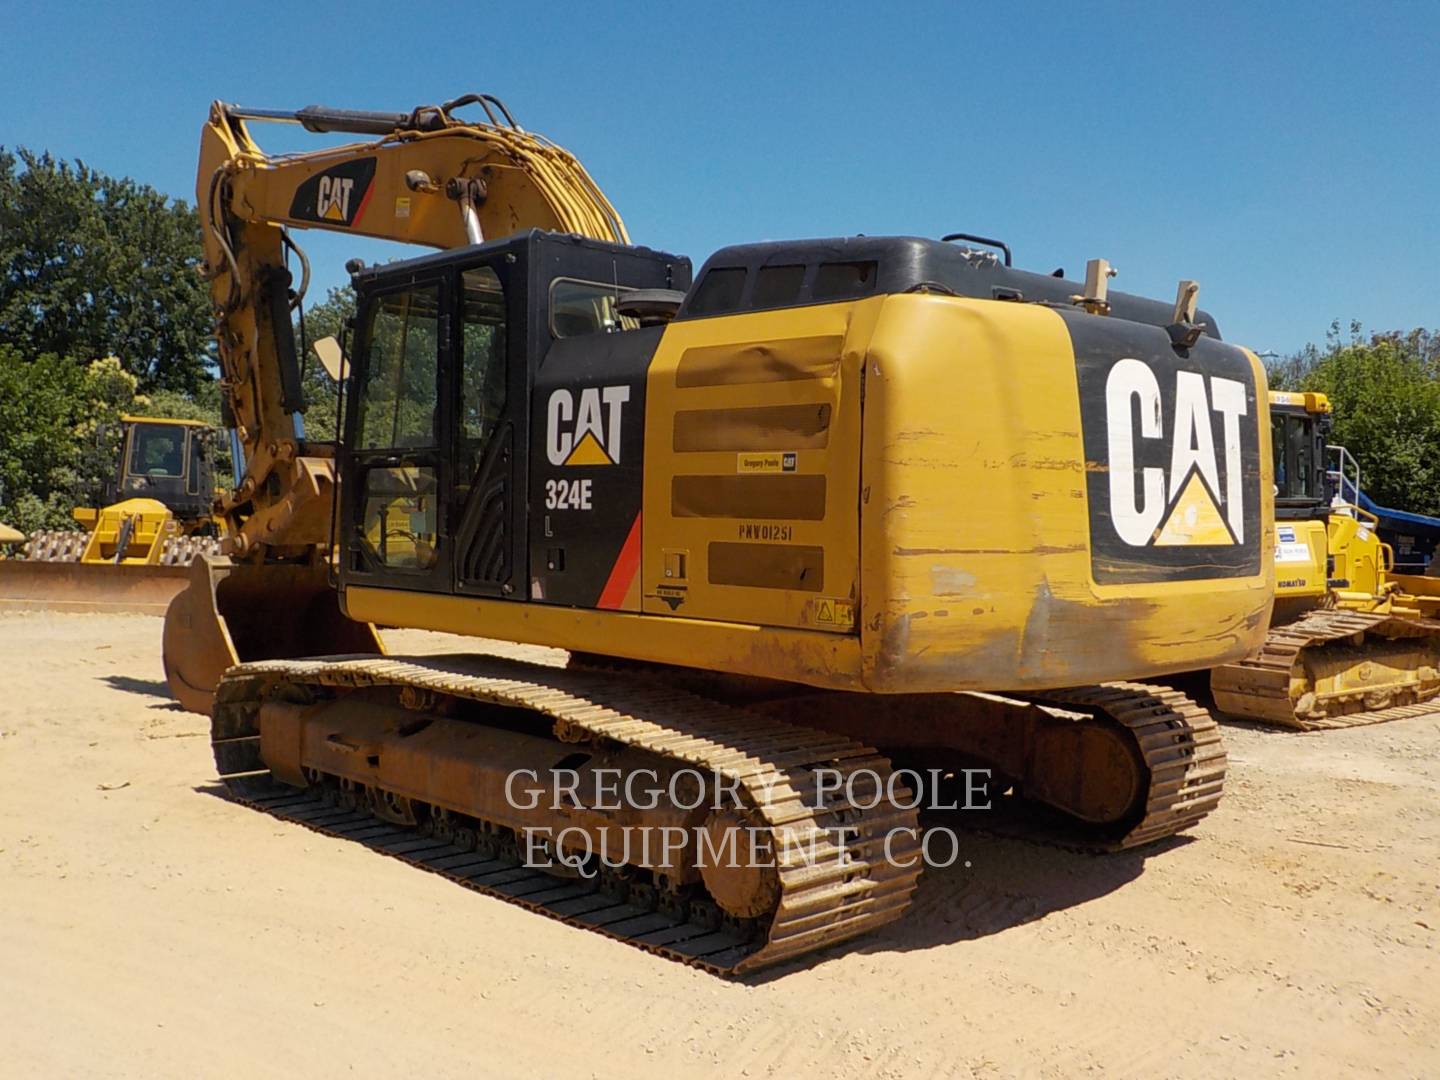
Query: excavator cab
x=435, y=459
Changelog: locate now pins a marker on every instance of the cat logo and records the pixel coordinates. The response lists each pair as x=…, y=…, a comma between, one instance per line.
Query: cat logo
x=1179, y=504
x=333, y=203
x=1172, y=455
x=337, y=196
x=587, y=432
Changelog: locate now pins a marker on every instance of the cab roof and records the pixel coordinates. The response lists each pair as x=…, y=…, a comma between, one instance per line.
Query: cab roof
x=1309, y=401
x=127, y=419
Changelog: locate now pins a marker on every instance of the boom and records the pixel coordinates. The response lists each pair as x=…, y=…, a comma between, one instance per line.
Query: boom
x=429, y=178
x=425, y=177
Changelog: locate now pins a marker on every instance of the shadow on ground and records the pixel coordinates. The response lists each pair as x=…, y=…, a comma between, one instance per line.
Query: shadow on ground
x=996, y=882
x=999, y=876
x=156, y=688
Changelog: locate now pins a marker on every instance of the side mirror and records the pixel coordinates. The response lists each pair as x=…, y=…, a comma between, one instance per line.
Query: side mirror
x=332, y=358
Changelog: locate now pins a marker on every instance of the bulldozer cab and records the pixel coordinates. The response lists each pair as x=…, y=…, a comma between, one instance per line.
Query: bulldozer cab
x=1299, y=426
x=169, y=461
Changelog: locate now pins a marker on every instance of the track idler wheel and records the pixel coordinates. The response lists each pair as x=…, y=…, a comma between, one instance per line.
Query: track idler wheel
x=739, y=872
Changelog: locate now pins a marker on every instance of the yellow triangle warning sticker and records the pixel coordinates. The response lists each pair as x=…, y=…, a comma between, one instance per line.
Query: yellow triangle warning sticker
x=588, y=451
x=1194, y=519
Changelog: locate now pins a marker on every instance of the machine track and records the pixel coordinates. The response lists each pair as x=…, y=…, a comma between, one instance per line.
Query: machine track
x=827, y=891
x=1174, y=759
x=1333, y=668
x=1183, y=754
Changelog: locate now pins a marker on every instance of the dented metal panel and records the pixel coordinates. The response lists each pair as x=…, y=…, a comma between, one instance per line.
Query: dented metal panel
x=978, y=517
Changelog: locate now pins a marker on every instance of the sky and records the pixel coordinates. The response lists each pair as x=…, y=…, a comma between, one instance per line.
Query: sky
x=1286, y=155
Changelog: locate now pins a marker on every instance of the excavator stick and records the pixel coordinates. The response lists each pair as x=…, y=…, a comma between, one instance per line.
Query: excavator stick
x=231, y=613
x=36, y=585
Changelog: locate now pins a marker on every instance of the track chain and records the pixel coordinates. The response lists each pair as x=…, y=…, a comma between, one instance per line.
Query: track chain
x=1181, y=747
x=829, y=892
x=1259, y=687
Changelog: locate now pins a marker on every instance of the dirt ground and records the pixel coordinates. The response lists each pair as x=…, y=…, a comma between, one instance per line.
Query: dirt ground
x=151, y=928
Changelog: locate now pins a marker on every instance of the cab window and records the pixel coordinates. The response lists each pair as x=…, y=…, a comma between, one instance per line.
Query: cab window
x=399, y=525
x=482, y=344
x=398, y=399
x=158, y=450
x=1292, y=441
x=586, y=307
x=197, y=450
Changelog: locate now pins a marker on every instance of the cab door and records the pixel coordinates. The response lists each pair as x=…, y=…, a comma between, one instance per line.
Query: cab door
x=396, y=475
x=488, y=383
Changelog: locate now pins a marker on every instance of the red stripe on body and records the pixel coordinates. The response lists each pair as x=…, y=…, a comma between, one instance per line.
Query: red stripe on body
x=627, y=565
x=364, y=202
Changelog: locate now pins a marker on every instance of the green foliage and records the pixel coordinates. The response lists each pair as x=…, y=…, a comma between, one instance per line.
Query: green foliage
x=1385, y=390
x=92, y=265
x=203, y=406
x=59, y=435
x=325, y=319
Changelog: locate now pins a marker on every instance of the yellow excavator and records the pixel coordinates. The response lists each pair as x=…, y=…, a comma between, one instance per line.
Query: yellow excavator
x=131, y=554
x=823, y=497
x=1352, y=642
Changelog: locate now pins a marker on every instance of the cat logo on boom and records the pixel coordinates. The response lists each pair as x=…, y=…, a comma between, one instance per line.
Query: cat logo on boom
x=1172, y=462
x=333, y=203
x=337, y=196
x=585, y=431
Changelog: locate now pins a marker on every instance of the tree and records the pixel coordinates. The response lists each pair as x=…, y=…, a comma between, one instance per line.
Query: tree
x=325, y=319
x=1385, y=392
x=59, y=435
x=92, y=265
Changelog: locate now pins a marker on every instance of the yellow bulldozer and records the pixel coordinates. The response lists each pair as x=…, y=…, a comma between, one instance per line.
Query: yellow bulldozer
x=823, y=497
x=132, y=553
x=1351, y=641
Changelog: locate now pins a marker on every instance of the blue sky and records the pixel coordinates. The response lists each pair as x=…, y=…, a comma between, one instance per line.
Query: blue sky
x=1286, y=155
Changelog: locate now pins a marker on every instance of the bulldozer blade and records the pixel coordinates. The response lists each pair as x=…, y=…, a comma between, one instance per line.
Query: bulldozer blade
x=231, y=613
x=34, y=585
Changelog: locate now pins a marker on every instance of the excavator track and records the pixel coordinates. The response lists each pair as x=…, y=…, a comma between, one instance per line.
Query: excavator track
x=1180, y=745
x=826, y=892
x=1169, y=772
x=1327, y=669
